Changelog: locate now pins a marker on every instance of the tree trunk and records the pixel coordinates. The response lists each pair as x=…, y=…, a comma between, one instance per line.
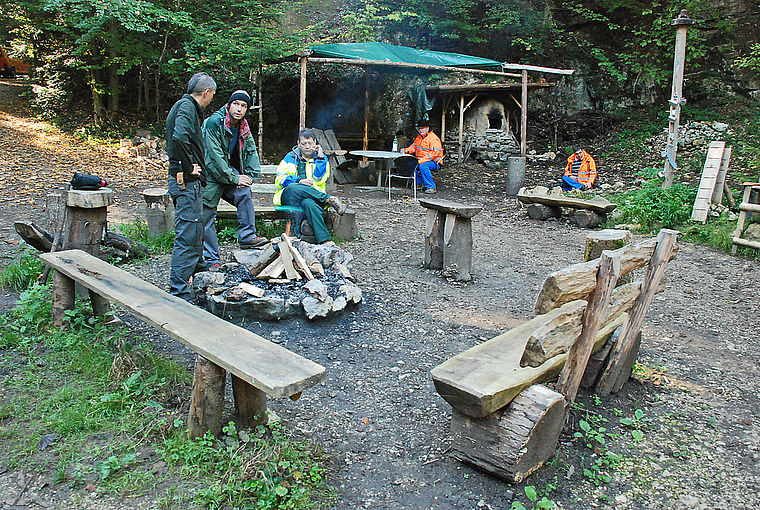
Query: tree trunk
x=98, y=109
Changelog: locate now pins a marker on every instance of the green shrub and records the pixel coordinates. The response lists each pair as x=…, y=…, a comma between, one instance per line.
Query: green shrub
x=23, y=271
x=653, y=208
x=137, y=230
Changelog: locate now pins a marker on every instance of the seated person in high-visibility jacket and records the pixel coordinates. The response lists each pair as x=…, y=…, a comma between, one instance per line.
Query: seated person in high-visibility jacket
x=580, y=172
x=301, y=179
x=428, y=150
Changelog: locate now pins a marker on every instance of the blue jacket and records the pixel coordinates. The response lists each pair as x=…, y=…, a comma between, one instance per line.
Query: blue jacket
x=317, y=169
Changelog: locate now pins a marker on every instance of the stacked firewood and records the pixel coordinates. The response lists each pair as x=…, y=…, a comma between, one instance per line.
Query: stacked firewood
x=282, y=262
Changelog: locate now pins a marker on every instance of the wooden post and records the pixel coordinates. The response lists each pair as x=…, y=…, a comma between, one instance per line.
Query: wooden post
x=250, y=403
x=260, y=81
x=577, y=356
x=434, y=221
x=365, y=142
x=524, y=116
x=613, y=376
x=302, y=103
x=207, y=398
x=461, y=128
x=676, y=99
x=445, y=100
x=63, y=297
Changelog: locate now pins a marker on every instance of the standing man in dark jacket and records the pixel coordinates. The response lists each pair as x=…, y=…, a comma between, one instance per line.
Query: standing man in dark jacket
x=184, y=144
x=232, y=163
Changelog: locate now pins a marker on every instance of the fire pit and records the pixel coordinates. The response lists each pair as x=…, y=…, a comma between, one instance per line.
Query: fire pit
x=286, y=278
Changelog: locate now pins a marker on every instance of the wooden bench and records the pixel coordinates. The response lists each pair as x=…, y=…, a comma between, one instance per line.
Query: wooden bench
x=502, y=420
x=258, y=367
x=448, y=236
x=748, y=205
x=543, y=204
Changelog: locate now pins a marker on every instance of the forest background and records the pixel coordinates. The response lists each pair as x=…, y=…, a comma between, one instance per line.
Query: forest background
x=118, y=63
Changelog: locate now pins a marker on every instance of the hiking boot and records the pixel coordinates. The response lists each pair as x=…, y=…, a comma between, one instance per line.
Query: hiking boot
x=336, y=204
x=255, y=242
x=430, y=191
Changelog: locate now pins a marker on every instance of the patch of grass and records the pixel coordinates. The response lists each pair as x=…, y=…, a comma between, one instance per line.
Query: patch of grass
x=25, y=269
x=102, y=403
x=137, y=230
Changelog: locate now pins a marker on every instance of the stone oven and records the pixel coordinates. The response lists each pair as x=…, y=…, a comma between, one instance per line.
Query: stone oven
x=487, y=132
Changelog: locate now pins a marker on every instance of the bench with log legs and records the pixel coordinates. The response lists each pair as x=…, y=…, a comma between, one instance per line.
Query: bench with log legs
x=258, y=367
x=503, y=420
x=543, y=204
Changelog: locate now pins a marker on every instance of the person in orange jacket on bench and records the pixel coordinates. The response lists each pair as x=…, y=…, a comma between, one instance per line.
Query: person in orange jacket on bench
x=580, y=172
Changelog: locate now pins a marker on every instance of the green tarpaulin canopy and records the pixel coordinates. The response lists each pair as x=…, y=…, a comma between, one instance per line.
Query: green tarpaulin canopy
x=402, y=54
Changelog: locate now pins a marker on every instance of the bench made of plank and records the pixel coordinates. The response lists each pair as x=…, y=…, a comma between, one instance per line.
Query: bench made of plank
x=482, y=382
x=259, y=366
x=541, y=195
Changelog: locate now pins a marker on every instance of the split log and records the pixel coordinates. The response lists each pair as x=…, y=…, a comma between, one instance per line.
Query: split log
x=598, y=361
x=585, y=218
x=579, y=280
x=515, y=441
x=207, y=398
x=298, y=258
x=34, y=235
x=579, y=352
x=251, y=289
x=269, y=255
x=273, y=270
x=543, y=212
x=612, y=377
x=541, y=195
x=311, y=260
x=287, y=261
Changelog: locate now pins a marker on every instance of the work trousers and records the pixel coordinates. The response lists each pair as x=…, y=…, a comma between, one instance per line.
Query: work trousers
x=312, y=201
x=246, y=216
x=569, y=183
x=187, y=255
x=425, y=172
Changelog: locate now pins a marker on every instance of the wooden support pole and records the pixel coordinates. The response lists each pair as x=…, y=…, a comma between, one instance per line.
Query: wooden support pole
x=676, y=99
x=613, y=376
x=302, y=103
x=207, y=398
x=365, y=142
x=63, y=297
x=524, y=116
x=461, y=127
x=259, y=80
x=250, y=403
x=577, y=356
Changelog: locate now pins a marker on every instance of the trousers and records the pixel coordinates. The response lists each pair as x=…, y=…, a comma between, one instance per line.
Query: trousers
x=187, y=254
x=246, y=216
x=312, y=201
x=425, y=172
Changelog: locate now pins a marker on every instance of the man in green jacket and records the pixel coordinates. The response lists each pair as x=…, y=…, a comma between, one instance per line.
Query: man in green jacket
x=232, y=163
x=184, y=145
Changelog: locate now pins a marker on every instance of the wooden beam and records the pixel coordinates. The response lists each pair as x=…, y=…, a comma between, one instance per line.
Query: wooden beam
x=365, y=142
x=523, y=67
x=261, y=113
x=362, y=62
x=577, y=356
x=302, y=102
x=461, y=128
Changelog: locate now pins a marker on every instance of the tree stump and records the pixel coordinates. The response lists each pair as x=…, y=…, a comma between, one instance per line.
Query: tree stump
x=543, y=212
x=207, y=398
x=589, y=219
x=516, y=440
x=607, y=239
x=448, y=237
x=159, y=211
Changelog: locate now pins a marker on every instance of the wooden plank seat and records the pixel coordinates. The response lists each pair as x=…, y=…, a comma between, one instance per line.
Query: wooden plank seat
x=258, y=367
x=579, y=308
x=448, y=236
x=544, y=204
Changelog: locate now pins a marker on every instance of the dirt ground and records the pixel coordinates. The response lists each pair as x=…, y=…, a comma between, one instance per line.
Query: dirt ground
x=378, y=414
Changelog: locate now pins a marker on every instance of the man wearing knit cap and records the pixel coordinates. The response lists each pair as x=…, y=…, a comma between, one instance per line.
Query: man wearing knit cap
x=232, y=163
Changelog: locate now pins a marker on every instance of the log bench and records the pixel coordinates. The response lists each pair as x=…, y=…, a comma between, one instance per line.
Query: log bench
x=544, y=204
x=503, y=420
x=258, y=367
x=448, y=236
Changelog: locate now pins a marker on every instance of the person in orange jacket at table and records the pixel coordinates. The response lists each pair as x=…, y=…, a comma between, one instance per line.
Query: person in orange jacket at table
x=428, y=150
x=580, y=172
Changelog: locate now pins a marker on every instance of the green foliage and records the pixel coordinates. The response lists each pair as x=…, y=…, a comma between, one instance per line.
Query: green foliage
x=637, y=422
x=104, y=468
x=266, y=467
x=137, y=230
x=532, y=495
x=25, y=269
x=30, y=316
x=751, y=60
x=652, y=207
